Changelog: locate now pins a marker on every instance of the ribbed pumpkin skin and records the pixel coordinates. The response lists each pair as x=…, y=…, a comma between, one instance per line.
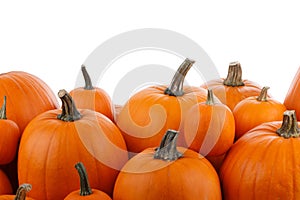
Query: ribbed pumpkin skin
x=9, y=140
x=209, y=129
x=230, y=95
x=5, y=186
x=12, y=197
x=188, y=178
x=250, y=113
x=96, y=99
x=262, y=165
x=97, y=195
x=27, y=96
x=148, y=114
x=292, y=97
x=50, y=148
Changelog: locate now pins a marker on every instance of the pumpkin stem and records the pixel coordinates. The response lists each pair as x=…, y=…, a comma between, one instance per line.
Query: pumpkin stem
x=176, y=86
x=289, y=127
x=3, y=109
x=263, y=96
x=22, y=190
x=210, y=97
x=234, y=76
x=85, y=188
x=87, y=79
x=168, y=149
x=69, y=111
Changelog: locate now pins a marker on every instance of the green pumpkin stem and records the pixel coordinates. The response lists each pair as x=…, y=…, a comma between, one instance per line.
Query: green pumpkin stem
x=168, y=149
x=234, y=76
x=210, y=97
x=3, y=109
x=85, y=188
x=69, y=111
x=87, y=79
x=289, y=127
x=263, y=96
x=21, y=191
x=176, y=86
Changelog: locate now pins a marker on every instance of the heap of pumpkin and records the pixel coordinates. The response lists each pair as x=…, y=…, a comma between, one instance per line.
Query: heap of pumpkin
x=167, y=141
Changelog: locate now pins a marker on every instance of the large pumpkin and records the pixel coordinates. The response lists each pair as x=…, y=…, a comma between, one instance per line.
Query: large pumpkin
x=167, y=173
x=56, y=140
x=21, y=193
x=28, y=96
x=9, y=137
x=233, y=88
x=148, y=114
x=210, y=127
x=292, y=97
x=90, y=97
x=256, y=110
x=264, y=163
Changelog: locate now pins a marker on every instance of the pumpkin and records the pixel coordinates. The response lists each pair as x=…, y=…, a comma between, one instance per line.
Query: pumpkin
x=264, y=163
x=293, y=94
x=10, y=135
x=55, y=140
x=149, y=113
x=85, y=191
x=210, y=129
x=28, y=96
x=90, y=97
x=167, y=173
x=233, y=88
x=20, y=194
x=5, y=186
x=256, y=110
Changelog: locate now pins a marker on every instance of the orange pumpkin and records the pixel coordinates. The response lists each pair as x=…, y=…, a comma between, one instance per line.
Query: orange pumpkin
x=10, y=135
x=85, y=191
x=28, y=96
x=256, y=110
x=233, y=88
x=148, y=114
x=210, y=129
x=264, y=163
x=20, y=194
x=55, y=140
x=5, y=186
x=167, y=173
x=293, y=95
x=90, y=97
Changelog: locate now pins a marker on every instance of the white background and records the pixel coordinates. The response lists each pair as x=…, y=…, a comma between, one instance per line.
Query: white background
x=51, y=40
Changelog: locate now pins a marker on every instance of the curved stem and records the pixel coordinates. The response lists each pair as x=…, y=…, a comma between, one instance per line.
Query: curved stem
x=176, y=86
x=87, y=79
x=263, y=96
x=210, y=97
x=69, y=111
x=234, y=76
x=289, y=127
x=168, y=149
x=3, y=109
x=85, y=188
x=22, y=190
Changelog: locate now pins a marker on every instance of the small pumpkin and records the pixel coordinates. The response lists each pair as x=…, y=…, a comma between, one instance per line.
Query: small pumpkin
x=210, y=129
x=293, y=95
x=85, y=191
x=256, y=110
x=28, y=96
x=149, y=113
x=90, y=97
x=20, y=194
x=264, y=163
x=231, y=90
x=5, y=186
x=55, y=140
x=167, y=173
